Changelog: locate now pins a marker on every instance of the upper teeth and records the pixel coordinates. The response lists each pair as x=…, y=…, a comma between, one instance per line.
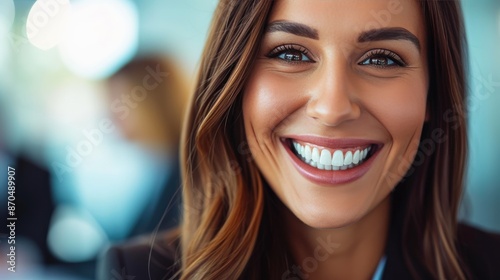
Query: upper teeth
x=325, y=159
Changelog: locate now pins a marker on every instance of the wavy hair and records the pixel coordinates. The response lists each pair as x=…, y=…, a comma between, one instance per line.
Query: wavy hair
x=227, y=217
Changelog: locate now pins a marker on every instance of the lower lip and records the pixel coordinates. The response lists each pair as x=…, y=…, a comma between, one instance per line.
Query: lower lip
x=329, y=177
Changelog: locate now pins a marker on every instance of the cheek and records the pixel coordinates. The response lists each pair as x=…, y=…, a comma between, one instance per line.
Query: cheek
x=401, y=112
x=268, y=102
x=268, y=105
x=400, y=108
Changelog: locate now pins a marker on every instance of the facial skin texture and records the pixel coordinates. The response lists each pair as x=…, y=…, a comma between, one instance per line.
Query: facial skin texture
x=330, y=94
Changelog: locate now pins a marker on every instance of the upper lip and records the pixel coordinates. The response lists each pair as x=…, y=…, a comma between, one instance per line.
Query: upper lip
x=333, y=143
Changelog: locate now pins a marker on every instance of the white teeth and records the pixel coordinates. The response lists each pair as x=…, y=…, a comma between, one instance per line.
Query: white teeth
x=348, y=158
x=355, y=157
x=323, y=159
x=315, y=155
x=308, y=153
x=338, y=158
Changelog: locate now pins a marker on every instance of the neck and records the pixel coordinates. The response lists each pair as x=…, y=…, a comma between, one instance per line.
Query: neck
x=350, y=252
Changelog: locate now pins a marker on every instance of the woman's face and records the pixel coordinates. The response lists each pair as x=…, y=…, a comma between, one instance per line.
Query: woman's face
x=335, y=105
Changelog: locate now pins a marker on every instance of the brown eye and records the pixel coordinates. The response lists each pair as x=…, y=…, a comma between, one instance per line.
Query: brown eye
x=379, y=61
x=382, y=59
x=290, y=53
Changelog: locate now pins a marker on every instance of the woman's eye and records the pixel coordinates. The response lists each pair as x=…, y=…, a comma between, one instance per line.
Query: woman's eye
x=382, y=59
x=290, y=53
x=379, y=61
x=293, y=56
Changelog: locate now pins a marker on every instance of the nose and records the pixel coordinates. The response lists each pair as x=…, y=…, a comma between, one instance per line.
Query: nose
x=331, y=100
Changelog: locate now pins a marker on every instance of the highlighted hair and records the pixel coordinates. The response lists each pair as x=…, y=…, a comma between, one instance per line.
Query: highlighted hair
x=228, y=229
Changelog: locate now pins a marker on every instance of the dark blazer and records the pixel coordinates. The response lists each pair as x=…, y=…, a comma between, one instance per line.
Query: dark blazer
x=139, y=259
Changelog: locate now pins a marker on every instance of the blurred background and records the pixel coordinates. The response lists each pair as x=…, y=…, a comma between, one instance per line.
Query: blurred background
x=91, y=98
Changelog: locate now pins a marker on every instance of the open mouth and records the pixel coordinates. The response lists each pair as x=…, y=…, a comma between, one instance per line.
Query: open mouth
x=331, y=162
x=325, y=158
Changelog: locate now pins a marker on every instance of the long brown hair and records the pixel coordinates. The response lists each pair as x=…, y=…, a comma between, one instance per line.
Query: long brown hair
x=433, y=193
x=227, y=217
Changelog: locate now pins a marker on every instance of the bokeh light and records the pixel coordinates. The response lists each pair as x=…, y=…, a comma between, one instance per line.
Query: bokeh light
x=74, y=235
x=102, y=35
x=53, y=93
x=47, y=22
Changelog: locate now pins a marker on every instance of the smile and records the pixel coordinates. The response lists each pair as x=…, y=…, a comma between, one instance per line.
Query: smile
x=326, y=159
x=331, y=161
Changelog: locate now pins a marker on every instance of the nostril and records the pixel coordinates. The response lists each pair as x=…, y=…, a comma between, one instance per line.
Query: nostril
x=330, y=114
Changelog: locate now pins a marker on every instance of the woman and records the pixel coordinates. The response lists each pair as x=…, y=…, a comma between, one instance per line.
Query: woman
x=327, y=140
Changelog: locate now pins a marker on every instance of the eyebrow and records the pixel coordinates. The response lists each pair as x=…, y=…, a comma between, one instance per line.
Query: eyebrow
x=389, y=33
x=295, y=28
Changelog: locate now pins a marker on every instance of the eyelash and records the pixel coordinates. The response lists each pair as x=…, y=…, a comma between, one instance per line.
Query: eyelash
x=372, y=54
x=280, y=50
x=383, y=53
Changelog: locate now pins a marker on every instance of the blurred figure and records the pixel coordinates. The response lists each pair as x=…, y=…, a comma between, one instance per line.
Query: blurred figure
x=128, y=175
x=147, y=101
x=33, y=204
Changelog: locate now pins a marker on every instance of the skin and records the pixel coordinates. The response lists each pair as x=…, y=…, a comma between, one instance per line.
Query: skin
x=330, y=93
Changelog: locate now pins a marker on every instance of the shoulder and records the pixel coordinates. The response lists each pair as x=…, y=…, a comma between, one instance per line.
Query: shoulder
x=141, y=258
x=480, y=250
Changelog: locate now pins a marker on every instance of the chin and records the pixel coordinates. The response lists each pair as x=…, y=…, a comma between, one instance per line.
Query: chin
x=325, y=217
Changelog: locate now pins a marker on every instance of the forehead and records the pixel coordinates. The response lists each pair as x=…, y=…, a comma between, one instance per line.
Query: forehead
x=345, y=19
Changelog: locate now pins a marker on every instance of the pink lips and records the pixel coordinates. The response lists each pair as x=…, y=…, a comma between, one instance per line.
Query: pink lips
x=329, y=177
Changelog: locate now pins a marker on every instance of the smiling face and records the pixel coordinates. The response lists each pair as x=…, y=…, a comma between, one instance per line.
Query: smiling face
x=335, y=105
